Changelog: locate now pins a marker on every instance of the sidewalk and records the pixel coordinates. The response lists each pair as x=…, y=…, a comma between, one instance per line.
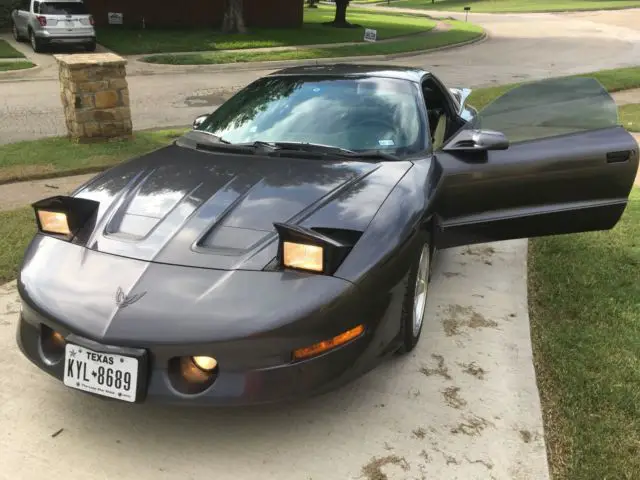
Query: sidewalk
x=627, y=97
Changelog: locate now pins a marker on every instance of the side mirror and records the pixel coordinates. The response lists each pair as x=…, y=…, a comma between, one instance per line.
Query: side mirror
x=477, y=141
x=199, y=121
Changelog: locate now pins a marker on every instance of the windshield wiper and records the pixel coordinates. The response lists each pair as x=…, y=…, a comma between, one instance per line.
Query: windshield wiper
x=308, y=147
x=212, y=137
x=329, y=149
x=373, y=154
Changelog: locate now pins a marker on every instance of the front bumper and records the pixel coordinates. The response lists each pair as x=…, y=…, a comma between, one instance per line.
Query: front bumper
x=231, y=387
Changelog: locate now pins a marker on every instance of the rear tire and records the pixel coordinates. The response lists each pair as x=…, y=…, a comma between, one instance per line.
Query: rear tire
x=16, y=33
x=415, y=300
x=90, y=47
x=36, y=44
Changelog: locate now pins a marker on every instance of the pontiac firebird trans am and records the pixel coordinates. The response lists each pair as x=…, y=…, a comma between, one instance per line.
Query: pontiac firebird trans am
x=283, y=246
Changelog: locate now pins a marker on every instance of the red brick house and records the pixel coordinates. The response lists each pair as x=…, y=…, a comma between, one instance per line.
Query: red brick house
x=192, y=13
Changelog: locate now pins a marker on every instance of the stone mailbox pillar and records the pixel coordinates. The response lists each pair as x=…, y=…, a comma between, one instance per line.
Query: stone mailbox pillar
x=95, y=96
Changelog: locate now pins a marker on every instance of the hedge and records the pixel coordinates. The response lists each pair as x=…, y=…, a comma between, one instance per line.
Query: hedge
x=6, y=7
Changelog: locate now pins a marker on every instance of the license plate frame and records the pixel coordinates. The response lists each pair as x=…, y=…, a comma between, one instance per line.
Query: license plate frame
x=133, y=356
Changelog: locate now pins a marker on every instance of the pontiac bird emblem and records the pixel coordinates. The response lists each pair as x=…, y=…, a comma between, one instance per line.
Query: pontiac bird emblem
x=123, y=300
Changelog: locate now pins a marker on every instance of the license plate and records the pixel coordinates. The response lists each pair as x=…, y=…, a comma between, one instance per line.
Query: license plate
x=105, y=374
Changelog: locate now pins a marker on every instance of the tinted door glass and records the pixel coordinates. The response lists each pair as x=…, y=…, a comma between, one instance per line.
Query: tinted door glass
x=549, y=108
x=63, y=8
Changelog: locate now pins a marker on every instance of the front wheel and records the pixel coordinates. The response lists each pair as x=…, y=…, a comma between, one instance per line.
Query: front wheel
x=415, y=300
x=16, y=33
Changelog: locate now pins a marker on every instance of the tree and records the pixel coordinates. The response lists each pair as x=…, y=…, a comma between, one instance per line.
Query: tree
x=233, y=20
x=340, y=19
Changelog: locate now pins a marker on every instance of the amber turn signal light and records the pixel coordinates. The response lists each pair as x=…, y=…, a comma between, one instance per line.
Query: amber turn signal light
x=327, y=345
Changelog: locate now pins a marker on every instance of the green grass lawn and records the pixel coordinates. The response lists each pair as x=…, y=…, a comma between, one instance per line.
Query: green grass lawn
x=613, y=80
x=16, y=230
x=54, y=157
x=137, y=41
x=459, y=32
x=585, y=317
x=7, y=51
x=505, y=6
x=18, y=65
x=630, y=117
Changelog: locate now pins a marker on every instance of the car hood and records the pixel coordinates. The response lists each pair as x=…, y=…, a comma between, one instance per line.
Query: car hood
x=181, y=206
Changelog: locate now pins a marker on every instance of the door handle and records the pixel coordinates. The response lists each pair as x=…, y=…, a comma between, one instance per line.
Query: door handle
x=618, y=157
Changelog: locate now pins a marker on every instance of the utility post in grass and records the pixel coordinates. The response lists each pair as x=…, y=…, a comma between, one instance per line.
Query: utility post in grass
x=233, y=20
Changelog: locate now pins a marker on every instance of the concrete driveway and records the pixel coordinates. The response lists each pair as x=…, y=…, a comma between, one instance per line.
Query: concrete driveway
x=520, y=47
x=463, y=405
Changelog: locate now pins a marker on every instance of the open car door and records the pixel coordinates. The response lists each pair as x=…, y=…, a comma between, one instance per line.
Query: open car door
x=546, y=158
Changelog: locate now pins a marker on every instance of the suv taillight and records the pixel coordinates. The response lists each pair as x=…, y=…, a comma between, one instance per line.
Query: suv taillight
x=42, y=20
x=91, y=20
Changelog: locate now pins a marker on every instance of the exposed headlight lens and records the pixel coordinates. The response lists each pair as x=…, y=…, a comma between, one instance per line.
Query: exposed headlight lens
x=205, y=363
x=54, y=222
x=305, y=257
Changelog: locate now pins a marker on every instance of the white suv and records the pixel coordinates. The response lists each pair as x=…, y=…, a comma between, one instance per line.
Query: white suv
x=54, y=22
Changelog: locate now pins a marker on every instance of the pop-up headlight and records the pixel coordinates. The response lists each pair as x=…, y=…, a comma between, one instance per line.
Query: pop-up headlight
x=305, y=249
x=63, y=216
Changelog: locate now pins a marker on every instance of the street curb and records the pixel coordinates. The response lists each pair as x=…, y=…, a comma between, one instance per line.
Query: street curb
x=276, y=64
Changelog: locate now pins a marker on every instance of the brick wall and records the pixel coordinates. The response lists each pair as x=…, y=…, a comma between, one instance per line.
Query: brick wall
x=164, y=13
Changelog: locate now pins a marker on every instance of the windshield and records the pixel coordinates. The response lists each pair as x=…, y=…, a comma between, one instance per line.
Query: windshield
x=357, y=114
x=63, y=8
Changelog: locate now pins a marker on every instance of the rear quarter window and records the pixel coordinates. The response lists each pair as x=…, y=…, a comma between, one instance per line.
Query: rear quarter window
x=63, y=8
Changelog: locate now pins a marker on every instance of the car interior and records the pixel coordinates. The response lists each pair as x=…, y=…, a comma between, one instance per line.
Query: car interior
x=442, y=119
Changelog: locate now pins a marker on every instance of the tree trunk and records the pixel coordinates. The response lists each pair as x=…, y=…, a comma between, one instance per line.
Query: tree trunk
x=233, y=20
x=341, y=12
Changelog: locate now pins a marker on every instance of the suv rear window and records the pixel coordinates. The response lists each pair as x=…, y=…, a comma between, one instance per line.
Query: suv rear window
x=63, y=8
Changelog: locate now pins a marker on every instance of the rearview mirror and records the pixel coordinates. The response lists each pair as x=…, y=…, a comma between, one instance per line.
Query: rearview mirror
x=199, y=121
x=477, y=141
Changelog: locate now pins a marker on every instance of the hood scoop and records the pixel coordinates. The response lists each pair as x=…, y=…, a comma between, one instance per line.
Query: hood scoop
x=197, y=212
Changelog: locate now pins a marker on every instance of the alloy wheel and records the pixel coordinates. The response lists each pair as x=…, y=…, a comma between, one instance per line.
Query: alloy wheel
x=421, y=289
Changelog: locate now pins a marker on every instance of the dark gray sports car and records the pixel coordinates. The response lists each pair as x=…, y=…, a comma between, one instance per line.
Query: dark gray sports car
x=283, y=246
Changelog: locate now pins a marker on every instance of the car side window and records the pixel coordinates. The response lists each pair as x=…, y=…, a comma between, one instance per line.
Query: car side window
x=439, y=112
x=36, y=7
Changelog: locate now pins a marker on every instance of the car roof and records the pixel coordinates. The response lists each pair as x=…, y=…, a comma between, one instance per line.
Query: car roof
x=411, y=74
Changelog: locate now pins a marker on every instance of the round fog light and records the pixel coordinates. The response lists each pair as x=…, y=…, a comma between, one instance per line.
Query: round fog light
x=205, y=363
x=57, y=339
